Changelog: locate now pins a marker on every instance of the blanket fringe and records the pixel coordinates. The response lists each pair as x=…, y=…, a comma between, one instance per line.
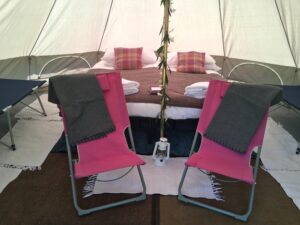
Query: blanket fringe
x=21, y=167
x=89, y=186
x=216, y=187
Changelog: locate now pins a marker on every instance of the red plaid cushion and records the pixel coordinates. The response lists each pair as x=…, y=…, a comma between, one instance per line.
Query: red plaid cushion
x=128, y=58
x=191, y=62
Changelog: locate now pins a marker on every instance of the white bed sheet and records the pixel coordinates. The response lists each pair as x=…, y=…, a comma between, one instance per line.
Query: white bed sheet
x=152, y=110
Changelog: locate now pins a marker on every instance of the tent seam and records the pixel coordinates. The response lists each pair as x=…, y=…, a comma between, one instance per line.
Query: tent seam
x=38, y=37
x=286, y=34
x=108, y=16
x=222, y=32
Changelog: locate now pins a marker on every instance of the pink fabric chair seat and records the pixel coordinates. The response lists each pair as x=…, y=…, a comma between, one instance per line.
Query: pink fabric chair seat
x=105, y=154
x=110, y=152
x=216, y=158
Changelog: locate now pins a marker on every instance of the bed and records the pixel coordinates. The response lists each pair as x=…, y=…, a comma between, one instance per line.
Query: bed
x=144, y=104
x=129, y=61
x=182, y=111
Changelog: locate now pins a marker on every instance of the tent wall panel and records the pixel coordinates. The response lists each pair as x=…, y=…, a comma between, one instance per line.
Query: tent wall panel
x=20, y=24
x=134, y=24
x=257, y=74
x=197, y=26
x=74, y=26
x=62, y=65
x=15, y=68
x=253, y=31
x=290, y=13
x=22, y=67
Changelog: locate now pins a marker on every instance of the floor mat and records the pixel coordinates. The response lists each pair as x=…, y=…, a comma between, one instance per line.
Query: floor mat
x=34, y=139
x=281, y=161
x=34, y=136
x=45, y=197
x=279, y=149
x=159, y=180
x=7, y=175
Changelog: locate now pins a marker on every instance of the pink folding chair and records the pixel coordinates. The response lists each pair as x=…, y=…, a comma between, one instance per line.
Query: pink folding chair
x=216, y=158
x=110, y=152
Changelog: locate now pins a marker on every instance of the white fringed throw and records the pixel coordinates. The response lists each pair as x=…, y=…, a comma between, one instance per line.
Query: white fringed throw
x=159, y=180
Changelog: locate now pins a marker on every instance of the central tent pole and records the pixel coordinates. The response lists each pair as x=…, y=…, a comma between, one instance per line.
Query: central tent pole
x=162, y=52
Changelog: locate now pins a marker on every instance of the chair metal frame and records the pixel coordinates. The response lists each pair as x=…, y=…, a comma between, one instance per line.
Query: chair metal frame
x=81, y=211
x=243, y=216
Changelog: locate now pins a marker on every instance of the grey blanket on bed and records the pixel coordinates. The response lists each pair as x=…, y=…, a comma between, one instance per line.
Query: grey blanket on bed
x=83, y=104
x=240, y=113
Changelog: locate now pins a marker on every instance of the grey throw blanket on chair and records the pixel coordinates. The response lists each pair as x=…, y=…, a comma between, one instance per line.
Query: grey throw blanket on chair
x=83, y=105
x=240, y=113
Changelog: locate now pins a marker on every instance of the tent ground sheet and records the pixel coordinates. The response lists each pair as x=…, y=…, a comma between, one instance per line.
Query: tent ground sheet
x=35, y=136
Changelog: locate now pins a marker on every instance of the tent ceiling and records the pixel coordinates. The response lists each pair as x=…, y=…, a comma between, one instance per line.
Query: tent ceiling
x=267, y=31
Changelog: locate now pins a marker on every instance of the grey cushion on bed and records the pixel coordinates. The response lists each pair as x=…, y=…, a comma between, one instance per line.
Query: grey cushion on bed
x=240, y=113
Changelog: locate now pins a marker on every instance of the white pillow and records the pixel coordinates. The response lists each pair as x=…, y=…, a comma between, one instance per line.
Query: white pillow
x=109, y=56
x=172, y=59
x=209, y=59
x=102, y=65
x=148, y=57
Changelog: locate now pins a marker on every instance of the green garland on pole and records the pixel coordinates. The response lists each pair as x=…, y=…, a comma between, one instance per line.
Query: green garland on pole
x=162, y=53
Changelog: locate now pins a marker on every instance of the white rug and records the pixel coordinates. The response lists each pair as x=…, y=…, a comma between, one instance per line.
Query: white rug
x=290, y=182
x=279, y=149
x=281, y=161
x=51, y=110
x=159, y=180
x=7, y=175
x=34, y=139
x=34, y=136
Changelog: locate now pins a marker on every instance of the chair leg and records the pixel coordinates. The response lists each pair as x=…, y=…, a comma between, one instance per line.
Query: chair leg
x=242, y=217
x=81, y=211
x=43, y=112
x=7, y=112
x=41, y=104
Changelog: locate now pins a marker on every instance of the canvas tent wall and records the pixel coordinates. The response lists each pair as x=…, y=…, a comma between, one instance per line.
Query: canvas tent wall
x=34, y=31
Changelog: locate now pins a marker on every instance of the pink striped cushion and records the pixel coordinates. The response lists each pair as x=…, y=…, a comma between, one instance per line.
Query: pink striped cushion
x=128, y=58
x=191, y=62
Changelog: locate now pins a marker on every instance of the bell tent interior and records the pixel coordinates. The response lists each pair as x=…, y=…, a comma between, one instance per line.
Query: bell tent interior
x=249, y=42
